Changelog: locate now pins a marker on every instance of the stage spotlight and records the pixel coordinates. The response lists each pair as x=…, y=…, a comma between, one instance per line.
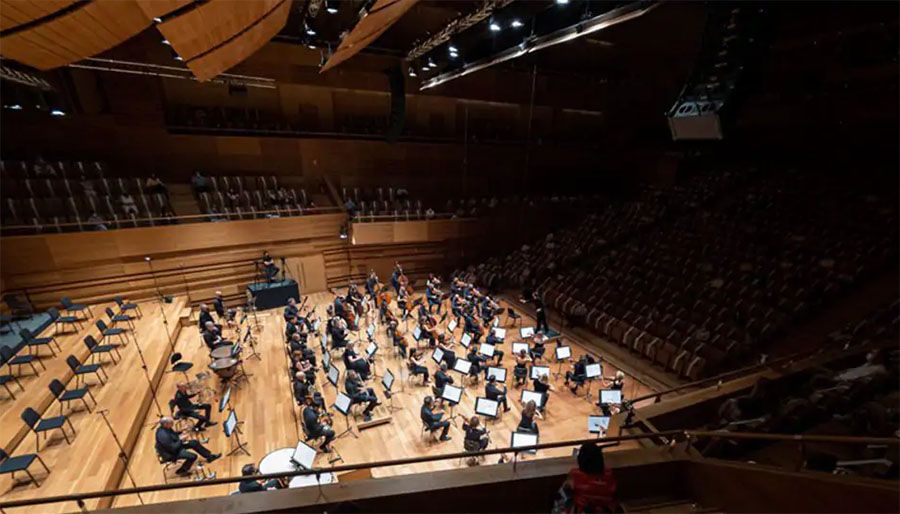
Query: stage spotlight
x=495, y=27
x=431, y=64
x=331, y=6
x=412, y=72
x=309, y=30
x=179, y=58
x=157, y=20
x=452, y=49
x=57, y=112
x=15, y=107
x=562, y=2
x=516, y=24
x=166, y=42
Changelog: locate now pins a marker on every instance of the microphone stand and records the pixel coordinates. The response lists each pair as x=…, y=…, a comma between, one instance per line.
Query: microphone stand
x=149, y=381
x=122, y=453
x=162, y=308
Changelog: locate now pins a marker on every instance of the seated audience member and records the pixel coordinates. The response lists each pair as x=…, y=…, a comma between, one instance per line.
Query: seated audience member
x=172, y=447
x=127, y=203
x=591, y=487
x=433, y=420
x=154, y=185
x=199, y=183
x=249, y=485
x=98, y=222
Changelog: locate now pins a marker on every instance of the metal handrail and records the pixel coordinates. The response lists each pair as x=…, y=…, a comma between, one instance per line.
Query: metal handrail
x=330, y=209
x=606, y=441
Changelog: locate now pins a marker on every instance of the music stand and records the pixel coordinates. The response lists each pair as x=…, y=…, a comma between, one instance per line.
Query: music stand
x=326, y=361
x=538, y=371
x=387, y=381
x=225, y=400
x=342, y=404
x=304, y=456
x=486, y=349
x=417, y=333
x=522, y=439
x=498, y=373
x=370, y=331
x=591, y=372
x=563, y=354
x=487, y=407
x=499, y=333
x=452, y=325
x=466, y=340
x=598, y=425
x=526, y=332
x=437, y=356
x=611, y=396
x=453, y=395
x=333, y=375
x=371, y=350
x=250, y=340
x=232, y=428
x=528, y=395
x=463, y=367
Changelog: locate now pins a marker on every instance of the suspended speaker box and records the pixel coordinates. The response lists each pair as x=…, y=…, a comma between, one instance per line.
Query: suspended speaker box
x=397, y=116
x=696, y=120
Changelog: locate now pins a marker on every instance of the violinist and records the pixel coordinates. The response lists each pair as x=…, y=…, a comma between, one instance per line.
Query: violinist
x=520, y=372
x=496, y=392
x=477, y=438
x=472, y=326
x=432, y=294
x=317, y=423
x=456, y=306
x=354, y=361
x=495, y=341
x=476, y=359
x=447, y=348
x=402, y=301
x=416, y=365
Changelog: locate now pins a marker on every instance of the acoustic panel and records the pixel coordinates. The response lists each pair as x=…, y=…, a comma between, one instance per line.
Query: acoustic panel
x=380, y=18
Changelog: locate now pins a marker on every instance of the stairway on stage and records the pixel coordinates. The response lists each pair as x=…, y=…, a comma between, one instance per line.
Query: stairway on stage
x=91, y=463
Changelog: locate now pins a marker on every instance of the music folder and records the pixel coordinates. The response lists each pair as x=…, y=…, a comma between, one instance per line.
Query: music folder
x=596, y=424
x=536, y=397
x=438, y=355
x=333, y=375
x=522, y=439
x=231, y=423
x=371, y=349
x=486, y=407
x=499, y=373
x=452, y=393
x=463, y=366
x=466, y=339
x=326, y=360
x=303, y=456
x=526, y=332
x=342, y=404
x=370, y=330
x=387, y=380
x=417, y=333
x=486, y=349
x=592, y=370
x=499, y=333
x=611, y=396
x=452, y=325
x=538, y=371
x=223, y=402
x=518, y=347
x=563, y=353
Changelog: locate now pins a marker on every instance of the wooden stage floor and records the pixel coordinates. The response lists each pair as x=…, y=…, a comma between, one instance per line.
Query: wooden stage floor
x=265, y=404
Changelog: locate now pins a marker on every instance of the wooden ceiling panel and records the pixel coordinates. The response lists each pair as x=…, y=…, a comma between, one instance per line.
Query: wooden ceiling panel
x=238, y=48
x=159, y=8
x=213, y=24
x=18, y=12
x=81, y=33
x=380, y=18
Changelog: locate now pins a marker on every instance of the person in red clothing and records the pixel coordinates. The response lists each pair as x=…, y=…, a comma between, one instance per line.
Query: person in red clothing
x=590, y=487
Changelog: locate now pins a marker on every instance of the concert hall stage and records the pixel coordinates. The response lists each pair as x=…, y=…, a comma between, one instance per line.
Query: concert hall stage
x=274, y=294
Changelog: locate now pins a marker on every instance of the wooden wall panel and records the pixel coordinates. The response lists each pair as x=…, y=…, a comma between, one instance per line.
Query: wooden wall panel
x=411, y=231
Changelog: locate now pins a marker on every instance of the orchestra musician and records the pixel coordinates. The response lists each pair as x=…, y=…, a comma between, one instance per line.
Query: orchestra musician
x=477, y=438
x=528, y=422
x=384, y=305
x=172, y=446
x=578, y=375
x=249, y=485
x=291, y=310
x=372, y=283
x=520, y=372
x=337, y=327
x=441, y=378
x=302, y=365
x=189, y=409
x=397, y=339
x=496, y=392
x=212, y=336
x=205, y=317
x=221, y=311
x=432, y=420
x=542, y=385
x=476, y=359
x=538, y=349
x=495, y=341
x=317, y=423
x=403, y=301
x=416, y=365
x=395, y=277
x=269, y=267
x=358, y=393
x=433, y=295
x=616, y=382
x=447, y=347
x=353, y=361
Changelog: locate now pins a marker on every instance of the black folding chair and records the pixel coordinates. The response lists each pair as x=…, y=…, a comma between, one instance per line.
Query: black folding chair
x=100, y=349
x=5, y=381
x=12, y=359
x=115, y=318
x=42, y=426
x=70, y=307
x=35, y=343
x=128, y=306
x=105, y=331
x=63, y=320
x=512, y=315
x=64, y=396
x=84, y=369
x=20, y=463
x=180, y=366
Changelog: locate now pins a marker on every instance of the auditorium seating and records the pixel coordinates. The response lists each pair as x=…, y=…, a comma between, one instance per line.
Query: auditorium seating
x=249, y=197
x=70, y=196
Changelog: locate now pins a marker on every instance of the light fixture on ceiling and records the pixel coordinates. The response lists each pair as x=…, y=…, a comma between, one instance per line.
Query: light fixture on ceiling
x=166, y=42
x=431, y=64
x=562, y=2
x=179, y=58
x=157, y=20
x=331, y=6
x=516, y=24
x=495, y=27
x=57, y=112
x=15, y=107
x=412, y=71
x=309, y=30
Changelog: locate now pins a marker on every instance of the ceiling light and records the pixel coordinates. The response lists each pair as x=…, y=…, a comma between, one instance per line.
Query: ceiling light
x=15, y=107
x=57, y=112
x=431, y=64
x=179, y=58
x=412, y=72
x=495, y=27
x=331, y=10
x=452, y=49
x=157, y=20
x=166, y=42
x=310, y=31
x=516, y=24
x=562, y=2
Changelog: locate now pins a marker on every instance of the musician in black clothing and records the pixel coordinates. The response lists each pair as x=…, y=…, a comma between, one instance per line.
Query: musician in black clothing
x=476, y=359
x=212, y=336
x=416, y=365
x=250, y=485
x=441, y=378
x=189, y=409
x=171, y=447
x=578, y=375
x=269, y=267
x=296, y=344
x=477, y=438
x=540, y=313
x=433, y=420
x=542, y=385
x=219, y=305
x=205, y=317
x=314, y=426
x=496, y=392
x=358, y=393
x=291, y=310
x=354, y=361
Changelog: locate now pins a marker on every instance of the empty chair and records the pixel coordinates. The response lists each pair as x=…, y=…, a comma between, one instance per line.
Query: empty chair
x=42, y=426
x=75, y=307
x=35, y=343
x=11, y=359
x=64, y=396
x=100, y=349
x=106, y=331
x=63, y=320
x=84, y=369
x=180, y=366
x=115, y=318
x=6, y=379
x=128, y=306
x=10, y=465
